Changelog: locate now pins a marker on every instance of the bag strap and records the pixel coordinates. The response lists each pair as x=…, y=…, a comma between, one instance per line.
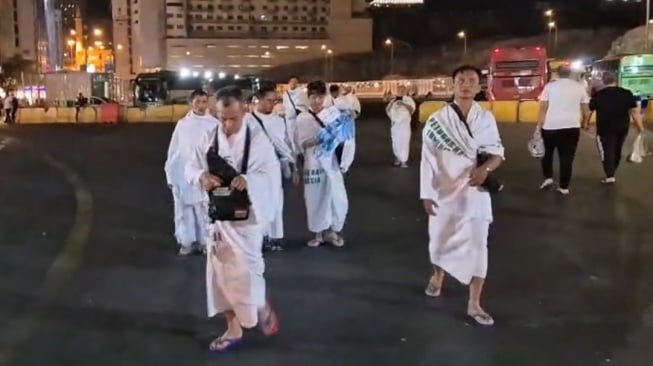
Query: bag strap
x=460, y=114
x=291, y=101
x=248, y=142
x=317, y=119
x=260, y=122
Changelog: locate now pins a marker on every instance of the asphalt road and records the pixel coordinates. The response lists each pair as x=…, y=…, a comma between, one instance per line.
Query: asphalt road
x=89, y=275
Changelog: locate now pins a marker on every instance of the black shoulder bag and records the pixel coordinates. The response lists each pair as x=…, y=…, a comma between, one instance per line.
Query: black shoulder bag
x=340, y=147
x=226, y=204
x=492, y=183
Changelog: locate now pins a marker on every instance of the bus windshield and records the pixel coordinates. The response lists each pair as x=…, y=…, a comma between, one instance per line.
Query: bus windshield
x=517, y=73
x=636, y=74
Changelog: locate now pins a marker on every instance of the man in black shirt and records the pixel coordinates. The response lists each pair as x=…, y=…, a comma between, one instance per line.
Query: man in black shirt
x=615, y=107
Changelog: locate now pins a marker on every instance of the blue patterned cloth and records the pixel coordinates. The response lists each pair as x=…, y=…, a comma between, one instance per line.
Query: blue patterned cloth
x=335, y=133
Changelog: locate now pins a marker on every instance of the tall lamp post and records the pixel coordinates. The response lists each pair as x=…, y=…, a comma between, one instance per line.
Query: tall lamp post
x=648, y=24
x=549, y=15
x=325, y=63
x=391, y=45
x=462, y=35
x=330, y=63
x=553, y=28
x=71, y=43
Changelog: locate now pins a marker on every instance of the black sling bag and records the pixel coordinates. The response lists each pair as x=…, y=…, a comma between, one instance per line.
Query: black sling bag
x=491, y=183
x=226, y=204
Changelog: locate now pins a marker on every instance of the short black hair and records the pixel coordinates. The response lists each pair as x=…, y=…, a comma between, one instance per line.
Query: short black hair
x=293, y=77
x=250, y=99
x=334, y=88
x=317, y=87
x=465, y=68
x=229, y=94
x=196, y=93
x=564, y=71
x=260, y=94
x=609, y=77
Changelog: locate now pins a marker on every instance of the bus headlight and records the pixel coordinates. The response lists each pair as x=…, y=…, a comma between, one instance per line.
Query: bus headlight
x=184, y=73
x=208, y=74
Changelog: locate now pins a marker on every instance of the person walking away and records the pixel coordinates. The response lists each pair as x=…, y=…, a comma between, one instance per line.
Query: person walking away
x=8, y=105
x=190, y=202
x=325, y=195
x=79, y=104
x=334, y=93
x=400, y=111
x=615, y=107
x=564, y=105
x=276, y=130
x=459, y=210
x=235, y=284
x=14, y=109
x=347, y=151
x=295, y=102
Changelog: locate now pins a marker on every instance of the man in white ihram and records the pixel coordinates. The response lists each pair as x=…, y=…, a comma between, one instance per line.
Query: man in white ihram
x=190, y=202
x=276, y=130
x=234, y=268
x=348, y=101
x=294, y=102
x=400, y=111
x=460, y=211
x=325, y=194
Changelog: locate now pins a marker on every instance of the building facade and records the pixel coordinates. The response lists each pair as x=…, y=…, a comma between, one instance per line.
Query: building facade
x=18, y=33
x=234, y=36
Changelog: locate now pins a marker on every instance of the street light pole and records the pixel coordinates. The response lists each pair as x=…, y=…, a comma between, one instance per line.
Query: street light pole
x=389, y=43
x=648, y=23
x=462, y=35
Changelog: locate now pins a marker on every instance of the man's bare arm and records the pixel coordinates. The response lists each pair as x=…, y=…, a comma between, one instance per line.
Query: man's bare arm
x=544, y=107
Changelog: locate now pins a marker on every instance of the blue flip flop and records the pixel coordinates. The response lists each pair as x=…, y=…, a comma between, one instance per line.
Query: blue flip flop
x=228, y=344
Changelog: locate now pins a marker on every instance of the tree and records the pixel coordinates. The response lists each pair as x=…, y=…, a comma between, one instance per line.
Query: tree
x=13, y=69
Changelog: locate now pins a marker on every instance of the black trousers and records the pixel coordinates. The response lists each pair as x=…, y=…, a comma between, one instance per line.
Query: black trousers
x=610, y=147
x=565, y=141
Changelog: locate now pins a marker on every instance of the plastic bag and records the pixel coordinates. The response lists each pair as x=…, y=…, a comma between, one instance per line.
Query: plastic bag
x=639, y=150
x=536, y=145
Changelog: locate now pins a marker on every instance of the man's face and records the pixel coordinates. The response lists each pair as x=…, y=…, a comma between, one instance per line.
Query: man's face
x=230, y=115
x=335, y=94
x=266, y=103
x=401, y=91
x=316, y=101
x=466, y=85
x=200, y=104
x=293, y=83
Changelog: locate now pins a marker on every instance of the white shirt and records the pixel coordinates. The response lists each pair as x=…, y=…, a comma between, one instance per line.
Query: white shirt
x=565, y=97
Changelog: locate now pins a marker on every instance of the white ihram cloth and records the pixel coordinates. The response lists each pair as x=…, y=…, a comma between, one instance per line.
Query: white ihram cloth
x=325, y=194
x=293, y=100
x=458, y=232
x=349, y=102
x=235, y=280
x=190, y=202
x=400, y=112
x=277, y=132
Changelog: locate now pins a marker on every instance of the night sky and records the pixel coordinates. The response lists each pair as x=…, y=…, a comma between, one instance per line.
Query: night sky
x=97, y=9
x=492, y=18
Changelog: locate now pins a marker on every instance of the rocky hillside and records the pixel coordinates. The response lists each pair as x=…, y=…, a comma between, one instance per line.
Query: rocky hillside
x=441, y=59
x=633, y=41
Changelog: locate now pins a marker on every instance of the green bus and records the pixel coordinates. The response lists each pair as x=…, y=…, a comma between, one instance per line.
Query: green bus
x=634, y=72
